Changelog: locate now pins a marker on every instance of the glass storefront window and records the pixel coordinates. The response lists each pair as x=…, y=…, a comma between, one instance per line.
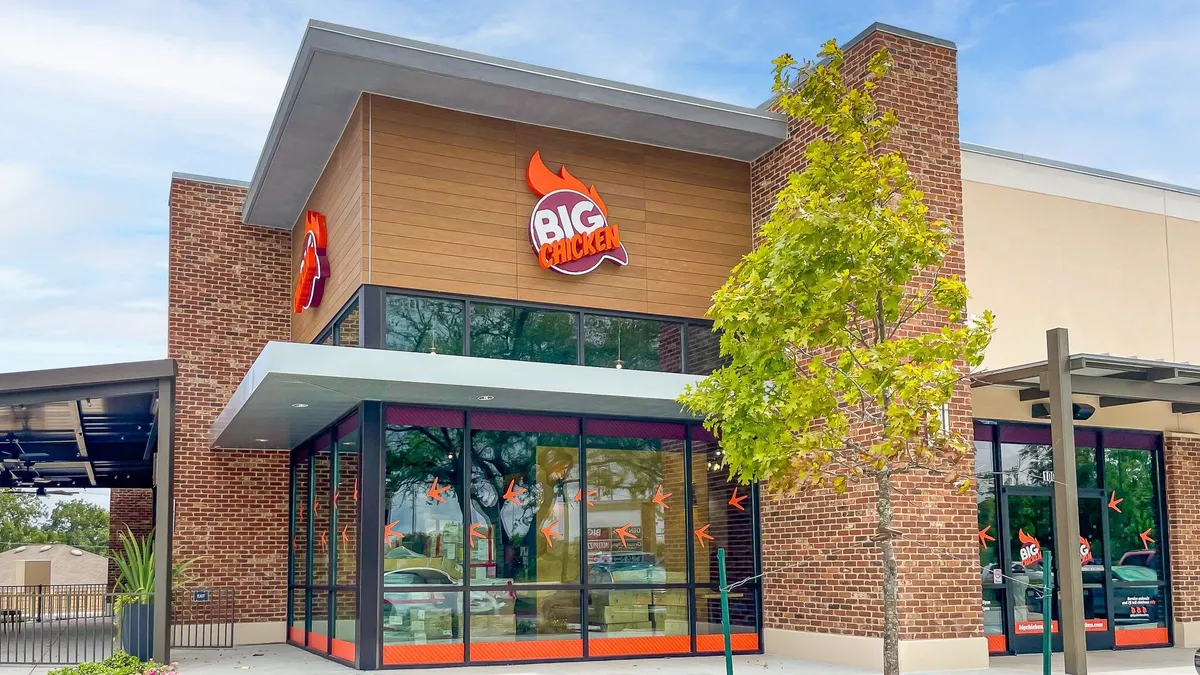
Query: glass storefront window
x=1134, y=531
x=637, y=529
x=424, y=521
x=322, y=494
x=348, y=328
x=318, y=635
x=420, y=324
x=743, y=619
x=634, y=344
x=508, y=625
x=298, y=629
x=344, y=639
x=524, y=334
x=301, y=513
x=344, y=537
x=638, y=621
x=419, y=618
x=1027, y=457
x=703, y=350
x=989, y=528
x=525, y=514
x=723, y=512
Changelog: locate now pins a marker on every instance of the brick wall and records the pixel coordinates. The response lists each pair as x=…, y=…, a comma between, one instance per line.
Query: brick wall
x=839, y=591
x=1181, y=460
x=229, y=293
x=131, y=508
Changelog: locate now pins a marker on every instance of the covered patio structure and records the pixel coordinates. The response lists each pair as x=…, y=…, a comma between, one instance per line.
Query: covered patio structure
x=1116, y=381
x=106, y=426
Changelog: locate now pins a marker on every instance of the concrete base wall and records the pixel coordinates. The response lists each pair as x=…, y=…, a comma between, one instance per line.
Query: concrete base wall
x=867, y=652
x=259, y=632
x=1187, y=633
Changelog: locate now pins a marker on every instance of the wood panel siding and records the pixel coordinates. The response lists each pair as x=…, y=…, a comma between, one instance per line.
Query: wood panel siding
x=339, y=195
x=448, y=210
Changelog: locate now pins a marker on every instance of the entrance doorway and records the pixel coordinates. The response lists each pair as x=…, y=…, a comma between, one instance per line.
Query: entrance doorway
x=1031, y=532
x=1126, y=599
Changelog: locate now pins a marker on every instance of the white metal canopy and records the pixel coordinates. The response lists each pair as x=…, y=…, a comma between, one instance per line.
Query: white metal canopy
x=294, y=390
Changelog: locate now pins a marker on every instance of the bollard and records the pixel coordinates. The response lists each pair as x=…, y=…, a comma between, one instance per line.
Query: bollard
x=725, y=612
x=1047, y=608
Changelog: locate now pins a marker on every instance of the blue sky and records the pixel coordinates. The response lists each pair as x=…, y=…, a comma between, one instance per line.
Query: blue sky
x=101, y=101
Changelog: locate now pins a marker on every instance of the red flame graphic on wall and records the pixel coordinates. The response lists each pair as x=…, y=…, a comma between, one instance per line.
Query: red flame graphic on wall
x=569, y=227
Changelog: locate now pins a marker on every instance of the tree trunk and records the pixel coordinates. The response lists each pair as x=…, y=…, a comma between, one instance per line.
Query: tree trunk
x=891, y=581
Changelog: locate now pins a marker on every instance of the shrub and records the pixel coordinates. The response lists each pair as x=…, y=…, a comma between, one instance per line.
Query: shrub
x=119, y=663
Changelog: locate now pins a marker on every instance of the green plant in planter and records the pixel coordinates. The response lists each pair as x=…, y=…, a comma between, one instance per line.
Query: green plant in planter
x=135, y=569
x=119, y=663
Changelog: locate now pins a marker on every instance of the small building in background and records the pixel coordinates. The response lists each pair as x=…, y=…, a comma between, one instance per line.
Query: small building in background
x=51, y=564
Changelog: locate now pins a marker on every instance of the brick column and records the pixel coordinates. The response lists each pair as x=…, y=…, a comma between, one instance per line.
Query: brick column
x=831, y=609
x=229, y=293
x=131, y=508
x=1181, y=463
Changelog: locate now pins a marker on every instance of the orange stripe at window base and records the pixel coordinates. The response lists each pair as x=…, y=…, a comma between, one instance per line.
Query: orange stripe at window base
x=639, y=646
x=1141, y=637
x=741, y=642
x=318, y=642
x=296, y=635
x=526, y=650
x=343, y=650
x=997, y=644
x=417, y=654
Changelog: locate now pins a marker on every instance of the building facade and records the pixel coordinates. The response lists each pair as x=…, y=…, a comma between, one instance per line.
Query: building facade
x=427, y=361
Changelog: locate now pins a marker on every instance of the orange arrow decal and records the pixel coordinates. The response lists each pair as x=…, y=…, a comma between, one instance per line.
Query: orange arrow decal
x=702, y=534
x=590, y=493
x=511, y=495
x=335, y=496
x=1146, y=540
x=660, y=497
x=315, y=504
x=475, y=533
x=345, y=539
x=390, y=532
x=550, y=533
x=1113, y=501
x=984, y=537
x=355, y=490
x=324, y=542
x=436, y=492
x=623, y=532
x=736, y=502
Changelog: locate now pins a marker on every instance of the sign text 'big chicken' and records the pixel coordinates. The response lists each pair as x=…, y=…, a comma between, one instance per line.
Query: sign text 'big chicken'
x=569, y=227
x=314, y=266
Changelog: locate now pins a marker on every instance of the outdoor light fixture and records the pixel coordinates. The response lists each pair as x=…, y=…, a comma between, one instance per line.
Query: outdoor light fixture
x=261, y=440
x=299, y=405
x=485, y=397
x=1079, y=411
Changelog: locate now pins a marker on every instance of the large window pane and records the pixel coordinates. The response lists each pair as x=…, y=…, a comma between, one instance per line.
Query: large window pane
x=628, y=622
x=344, y=638
x=417, y=324
x=301, y=514
x=985, y=494
x=297, y=630
x=743, y=619
x=525, y=515
x=634, y=344
x=322, y=493
x=423, y=531
x=637, y=530
x=348, y=328
x=421, y=627
x=722, y=514
x=703, y=350
x=318, y=636
x=521, y=625
x=1027, y=457
x=1134, y=530
x=524, y=334
x=344, y=539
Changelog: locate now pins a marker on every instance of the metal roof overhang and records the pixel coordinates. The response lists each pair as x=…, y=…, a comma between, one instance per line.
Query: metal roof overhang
x=336, y=64
x=86, y=426
x=1115, y=380
x=329, y=381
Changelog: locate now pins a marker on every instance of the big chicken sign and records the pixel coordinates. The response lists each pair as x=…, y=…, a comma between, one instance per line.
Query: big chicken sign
x=569, y=228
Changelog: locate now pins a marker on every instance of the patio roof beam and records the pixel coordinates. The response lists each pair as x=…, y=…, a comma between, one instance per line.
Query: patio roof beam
x=1034, y=394
x=1132, y=389
x=1112, y=401
x=1184, y=408
x=77, y=392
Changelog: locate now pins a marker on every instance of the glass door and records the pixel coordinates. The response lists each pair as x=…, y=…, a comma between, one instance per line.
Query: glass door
x=1029, y=513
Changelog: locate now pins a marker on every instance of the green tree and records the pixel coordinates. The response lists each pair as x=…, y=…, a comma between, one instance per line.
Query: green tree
x=80, y=524
x=23, y=516
x=845, y=335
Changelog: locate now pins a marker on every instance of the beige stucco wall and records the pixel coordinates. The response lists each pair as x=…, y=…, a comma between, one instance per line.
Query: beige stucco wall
x=1112, y=261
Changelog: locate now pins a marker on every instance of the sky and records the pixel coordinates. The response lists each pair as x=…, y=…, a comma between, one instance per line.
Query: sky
x=101, y=101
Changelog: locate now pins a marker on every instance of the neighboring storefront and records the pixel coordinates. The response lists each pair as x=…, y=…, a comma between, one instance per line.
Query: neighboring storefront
x=428, y=360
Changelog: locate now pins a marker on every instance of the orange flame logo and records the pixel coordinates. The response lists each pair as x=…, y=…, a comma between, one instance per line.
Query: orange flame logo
x=1031, y=550
x=569, y=227
x=314, y=266
x=1026, y=539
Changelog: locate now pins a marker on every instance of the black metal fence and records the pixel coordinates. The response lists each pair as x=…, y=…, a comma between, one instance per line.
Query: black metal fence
x=81, y=623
